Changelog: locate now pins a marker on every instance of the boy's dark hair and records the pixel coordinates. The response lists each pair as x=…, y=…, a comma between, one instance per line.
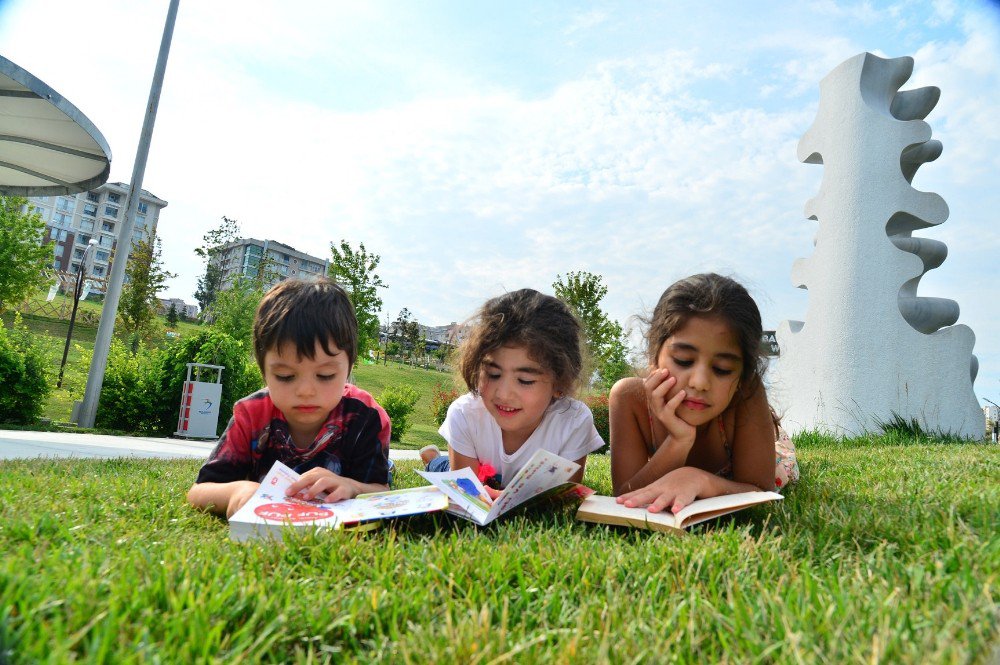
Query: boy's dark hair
x=708, y=295
x=542, y=324
x=304, y=312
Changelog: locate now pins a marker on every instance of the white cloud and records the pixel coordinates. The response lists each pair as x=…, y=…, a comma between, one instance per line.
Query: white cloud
x=647, y=166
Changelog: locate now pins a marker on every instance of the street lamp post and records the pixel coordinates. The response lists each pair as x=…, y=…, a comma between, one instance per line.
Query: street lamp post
x=81, y=275
x=102, y=344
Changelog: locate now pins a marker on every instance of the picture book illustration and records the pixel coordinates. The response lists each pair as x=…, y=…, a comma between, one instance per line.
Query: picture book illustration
x=545, y=475
x=269, y=510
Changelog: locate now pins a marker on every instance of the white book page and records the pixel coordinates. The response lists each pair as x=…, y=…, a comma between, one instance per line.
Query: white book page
x=464, y=489
x=705, y=509
x=543, y=471
x=596, y=506
x=269, y=505
x=392, y=503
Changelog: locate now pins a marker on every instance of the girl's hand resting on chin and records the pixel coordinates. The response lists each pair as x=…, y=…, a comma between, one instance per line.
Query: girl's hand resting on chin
x=674, y=491
x=658, y=385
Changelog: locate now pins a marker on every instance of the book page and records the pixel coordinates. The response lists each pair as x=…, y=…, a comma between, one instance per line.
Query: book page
x=607, y=510
x=391, y=503
x=269, y=505
x=705, y=509
x=464, y=489
x=543, y=471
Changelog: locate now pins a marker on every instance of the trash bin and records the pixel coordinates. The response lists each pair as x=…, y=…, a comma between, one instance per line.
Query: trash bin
x=199, y=411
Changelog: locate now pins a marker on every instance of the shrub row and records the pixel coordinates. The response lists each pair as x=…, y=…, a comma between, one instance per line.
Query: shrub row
x=141, y=393
x=23, y=375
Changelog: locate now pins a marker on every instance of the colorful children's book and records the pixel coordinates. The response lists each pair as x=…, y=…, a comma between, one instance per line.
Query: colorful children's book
x=605, y=510
x=545, y=475
x=269, y=511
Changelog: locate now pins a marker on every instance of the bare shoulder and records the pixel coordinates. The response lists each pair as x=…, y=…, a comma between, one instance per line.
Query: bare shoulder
x=627, y=391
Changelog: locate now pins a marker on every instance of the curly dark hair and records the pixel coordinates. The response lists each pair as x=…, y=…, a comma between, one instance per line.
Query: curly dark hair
x=304, y=312
x=709, y=294
x=544, y=325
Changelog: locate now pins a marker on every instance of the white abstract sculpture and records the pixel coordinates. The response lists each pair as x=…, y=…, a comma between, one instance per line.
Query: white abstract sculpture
x=870, y=349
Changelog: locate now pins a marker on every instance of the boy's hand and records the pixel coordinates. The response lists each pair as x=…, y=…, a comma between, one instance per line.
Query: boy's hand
x=241, y=492
x=673, y=491
x=318, y=481
x=658, y=385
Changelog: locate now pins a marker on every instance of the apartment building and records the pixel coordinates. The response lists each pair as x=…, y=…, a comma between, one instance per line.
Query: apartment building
x=244, y=256
x=71, y=222
x=181, y=307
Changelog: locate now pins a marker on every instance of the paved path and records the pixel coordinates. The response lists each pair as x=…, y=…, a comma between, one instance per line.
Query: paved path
x=15, y=444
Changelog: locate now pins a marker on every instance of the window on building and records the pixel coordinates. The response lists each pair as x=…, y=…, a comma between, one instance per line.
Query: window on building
x=93, y=197
x=86, y=225
x=140, y=221
x=65, y=204
x=108, y=227
x=101, y=256
x=107, y=241
x=113, y=197
x=62, y=219
x=90, y=210
x=143, y=208
x=75, y=268
x=82, y=239
x=57, y=264
x=53, y=233
x=63, y=234
x=110, y=211
x=98, y=271
x=77, y=253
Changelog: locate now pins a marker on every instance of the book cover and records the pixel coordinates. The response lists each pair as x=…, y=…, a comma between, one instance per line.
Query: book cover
x=606, y=510
x=269, y=511
x=544, y=476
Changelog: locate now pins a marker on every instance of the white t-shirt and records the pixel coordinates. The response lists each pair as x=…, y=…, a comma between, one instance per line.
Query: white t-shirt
x=567, y=429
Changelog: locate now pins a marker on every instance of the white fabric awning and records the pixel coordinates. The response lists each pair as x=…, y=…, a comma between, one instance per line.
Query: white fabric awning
x=47, y=146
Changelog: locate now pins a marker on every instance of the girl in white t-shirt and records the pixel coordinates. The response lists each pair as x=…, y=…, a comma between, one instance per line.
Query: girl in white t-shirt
x=521, y=361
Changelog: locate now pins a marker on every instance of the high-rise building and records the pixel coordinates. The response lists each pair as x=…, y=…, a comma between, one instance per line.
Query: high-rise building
x=71, y=222
x=243, y=258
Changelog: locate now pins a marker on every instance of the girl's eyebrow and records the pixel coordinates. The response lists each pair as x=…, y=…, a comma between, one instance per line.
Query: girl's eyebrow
x=725, y=355
x=524, y=370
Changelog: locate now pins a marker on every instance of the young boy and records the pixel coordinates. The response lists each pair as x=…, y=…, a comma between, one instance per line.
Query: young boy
x=305, y=341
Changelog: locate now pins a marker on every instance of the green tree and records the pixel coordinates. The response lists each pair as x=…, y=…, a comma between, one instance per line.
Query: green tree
x=145, y=277
x=172, y=316
x=211, y=246
x=233, y=309
x=355, y=271
x=583, y=292
x=24, y=257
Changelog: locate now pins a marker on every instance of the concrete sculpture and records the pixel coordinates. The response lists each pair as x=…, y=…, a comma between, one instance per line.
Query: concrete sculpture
x=870, y=348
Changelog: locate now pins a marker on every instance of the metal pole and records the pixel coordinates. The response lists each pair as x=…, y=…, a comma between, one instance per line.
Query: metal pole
x=95, y=379
x=81, y=274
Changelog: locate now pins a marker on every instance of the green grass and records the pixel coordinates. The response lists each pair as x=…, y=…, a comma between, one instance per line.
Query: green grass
x=886, y=552
x=423, y=430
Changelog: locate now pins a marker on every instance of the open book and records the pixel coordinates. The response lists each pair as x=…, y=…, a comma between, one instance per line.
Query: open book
x=269, y=511
x=545, y=475
x=605, y=510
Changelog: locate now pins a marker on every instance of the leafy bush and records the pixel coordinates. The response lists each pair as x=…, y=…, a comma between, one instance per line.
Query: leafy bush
x=398, y=402
x=22, y=375
x=599, y=407
x=211, y=347
x=441, y=399
x=128, y=393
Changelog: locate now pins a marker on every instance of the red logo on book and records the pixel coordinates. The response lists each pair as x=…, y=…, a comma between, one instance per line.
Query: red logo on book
x=291, y=512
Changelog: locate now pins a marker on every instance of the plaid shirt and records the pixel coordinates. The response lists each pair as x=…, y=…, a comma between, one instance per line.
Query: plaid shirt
x=353, y=442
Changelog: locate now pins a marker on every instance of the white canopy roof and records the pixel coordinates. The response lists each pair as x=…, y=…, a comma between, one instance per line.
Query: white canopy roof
x=47, y=146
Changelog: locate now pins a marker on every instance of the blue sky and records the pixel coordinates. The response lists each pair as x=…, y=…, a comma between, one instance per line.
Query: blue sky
x=485, y=147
